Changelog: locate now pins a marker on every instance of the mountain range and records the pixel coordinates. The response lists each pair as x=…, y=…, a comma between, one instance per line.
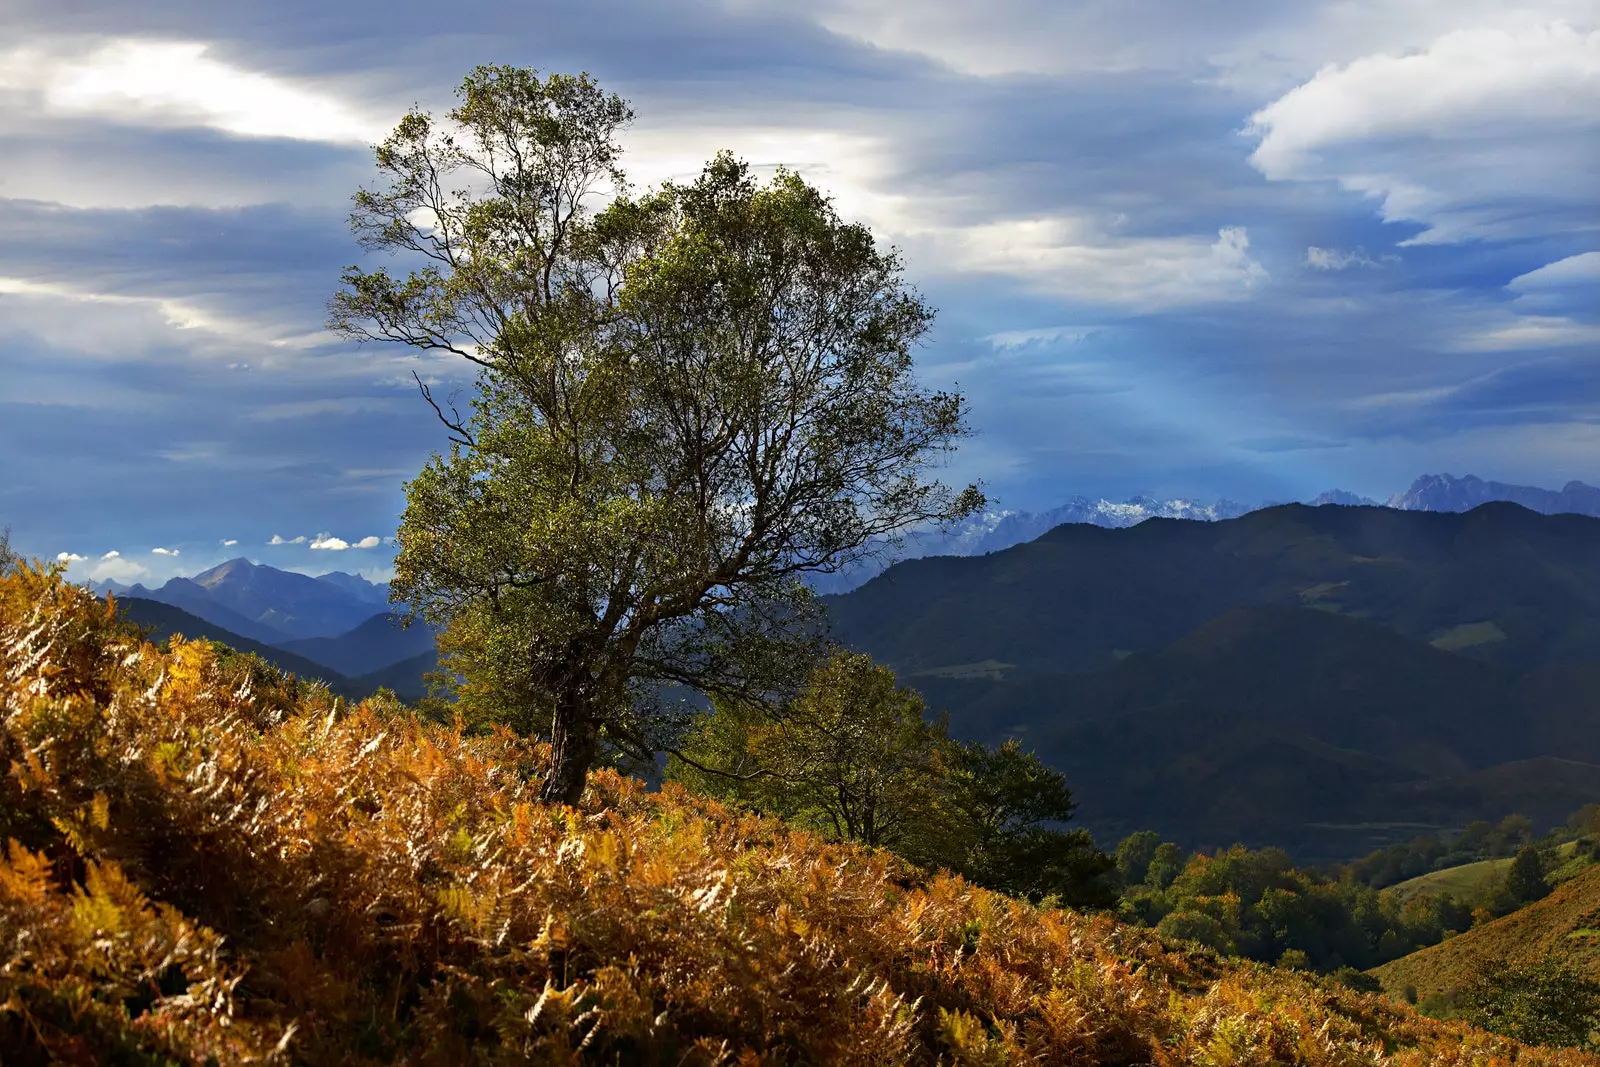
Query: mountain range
x=1324, y=678
x=337, y=627
x=995, y=530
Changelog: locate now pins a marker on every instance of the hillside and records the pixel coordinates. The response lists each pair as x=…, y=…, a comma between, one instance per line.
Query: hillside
x=163, y=620
x=390, y=891
x=377, y=643
x=1077, y=597
x=1564, y=926
x=1326, y=679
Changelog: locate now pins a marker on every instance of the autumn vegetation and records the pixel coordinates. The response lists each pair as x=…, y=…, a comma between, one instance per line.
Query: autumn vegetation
x=210, y=862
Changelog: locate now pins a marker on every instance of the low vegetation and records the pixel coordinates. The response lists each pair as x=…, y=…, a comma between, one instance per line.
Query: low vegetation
x=212, y=863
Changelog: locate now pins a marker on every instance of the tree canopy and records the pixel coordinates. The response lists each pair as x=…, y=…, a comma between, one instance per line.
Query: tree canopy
x=687, y=400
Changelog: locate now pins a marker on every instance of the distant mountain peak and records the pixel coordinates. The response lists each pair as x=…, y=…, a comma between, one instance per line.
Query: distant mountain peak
x=1446, y=492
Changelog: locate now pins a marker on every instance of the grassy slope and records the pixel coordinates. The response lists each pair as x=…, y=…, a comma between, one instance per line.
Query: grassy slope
x=1474, y=882
x=1469, y=882
x=390, y=891
x=1564, y=925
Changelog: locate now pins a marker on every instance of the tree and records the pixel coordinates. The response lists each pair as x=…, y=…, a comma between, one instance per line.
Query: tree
x=1134, y=855
x=8, y=558
x=1546, y=1003
x=855, y=757
x=1006, y=801
x=1525, y=881
x=852, y=756
x=686, y=402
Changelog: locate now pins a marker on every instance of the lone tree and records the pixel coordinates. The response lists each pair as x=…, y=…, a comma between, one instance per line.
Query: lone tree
x=686, y=401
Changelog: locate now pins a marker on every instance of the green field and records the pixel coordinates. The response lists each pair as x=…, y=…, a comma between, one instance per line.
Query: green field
x=1470, y=882
x=1473, y=882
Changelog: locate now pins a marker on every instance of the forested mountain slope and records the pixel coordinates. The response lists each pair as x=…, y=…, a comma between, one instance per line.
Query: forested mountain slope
x=1326, y=679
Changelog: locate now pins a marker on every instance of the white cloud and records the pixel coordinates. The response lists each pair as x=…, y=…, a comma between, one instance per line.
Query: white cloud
x=1530, y=331
x=369, y=541
x=1333, y=259
x=1483, y=134
x=1067, y=258
x=1581, y=269
x=117, y=569
x=329, y=543
x=176, y=313
x=164, y=551
x=179, y=83
x=1007, y=340
x=229, y=543
x=276, y=540
x=113, y=554
x=69, y=557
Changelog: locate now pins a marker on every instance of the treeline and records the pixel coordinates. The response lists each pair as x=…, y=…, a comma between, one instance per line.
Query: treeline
x=1480, y=840
x=854, y=757
x=1255, y=903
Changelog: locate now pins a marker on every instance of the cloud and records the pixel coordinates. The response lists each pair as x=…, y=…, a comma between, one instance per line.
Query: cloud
x=1483, y=134
x=1531, y=331
x=276, y=540
x=117, y=569
x=1333, y=259
x=164, y=551
x=1582, y=269
x=329, y=543
x=370, y=541
x=1066, y=257
x=113, y=554
x=69, y=557
x=230, y=542
x=179, y=83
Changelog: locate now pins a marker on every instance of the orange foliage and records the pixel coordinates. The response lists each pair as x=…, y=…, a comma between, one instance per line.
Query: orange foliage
x=210, y=862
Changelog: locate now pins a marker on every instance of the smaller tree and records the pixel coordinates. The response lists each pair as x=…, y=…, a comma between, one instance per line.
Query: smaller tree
x=1134, y=855
x=1547, y=1003
x=851, y=756
x=1165, y=866
x=1006, y=801
x=854, y=757
x=1525, y=881
x=8, y=558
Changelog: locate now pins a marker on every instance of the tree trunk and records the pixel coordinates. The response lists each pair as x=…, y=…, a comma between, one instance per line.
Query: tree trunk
x=574, y=746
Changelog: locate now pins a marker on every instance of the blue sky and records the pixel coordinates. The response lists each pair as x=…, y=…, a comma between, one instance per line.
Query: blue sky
x=1179, y=247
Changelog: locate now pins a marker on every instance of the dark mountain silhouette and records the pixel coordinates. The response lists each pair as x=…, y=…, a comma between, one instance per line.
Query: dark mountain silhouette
x=1321, y=678
x=405, y=678
x=161, y=621
x=377, y=643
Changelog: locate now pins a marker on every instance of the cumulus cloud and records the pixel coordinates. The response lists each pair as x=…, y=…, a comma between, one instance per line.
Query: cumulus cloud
x=69, y=557
x=164, y=551
x=277, y=540
x=113, y=554
x=328, y=543
x=1483, y=134
x=230, y=542
x=117, y=568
